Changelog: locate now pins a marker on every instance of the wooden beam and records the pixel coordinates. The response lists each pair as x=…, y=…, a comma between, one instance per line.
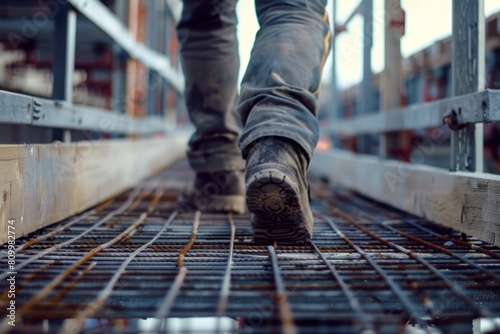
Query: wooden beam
x=43, y=184
x=468, y=202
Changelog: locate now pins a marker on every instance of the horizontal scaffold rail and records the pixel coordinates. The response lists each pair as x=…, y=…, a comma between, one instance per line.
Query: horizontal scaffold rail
x=105, y=20
x=455, y=112
x=28, y=110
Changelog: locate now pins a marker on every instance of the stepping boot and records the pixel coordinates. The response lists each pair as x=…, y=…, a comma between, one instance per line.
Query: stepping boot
x=277, y=191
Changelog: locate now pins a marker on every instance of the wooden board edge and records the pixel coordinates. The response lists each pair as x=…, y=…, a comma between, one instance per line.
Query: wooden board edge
x=468, y=202
x=44, y=184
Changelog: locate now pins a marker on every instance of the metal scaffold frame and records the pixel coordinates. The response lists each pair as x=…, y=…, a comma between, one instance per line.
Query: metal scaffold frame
x=462, y=197
x=38, y=181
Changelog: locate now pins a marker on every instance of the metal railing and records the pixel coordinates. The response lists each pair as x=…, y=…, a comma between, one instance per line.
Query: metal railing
x=60, y=112
x=451, y=196
x=463, y=113
x=146, y=104
x=456, y=112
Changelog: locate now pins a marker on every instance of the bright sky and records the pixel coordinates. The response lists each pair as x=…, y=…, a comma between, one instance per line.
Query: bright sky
x=426, y=22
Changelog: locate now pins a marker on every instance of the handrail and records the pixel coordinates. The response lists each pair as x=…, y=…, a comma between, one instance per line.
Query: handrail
x=455, y=112
x=28, y=110
x=461, y=196
x=61, y=113
x=464, y=113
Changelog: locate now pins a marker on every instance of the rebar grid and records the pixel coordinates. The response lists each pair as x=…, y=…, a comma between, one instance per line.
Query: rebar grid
x=368, y=269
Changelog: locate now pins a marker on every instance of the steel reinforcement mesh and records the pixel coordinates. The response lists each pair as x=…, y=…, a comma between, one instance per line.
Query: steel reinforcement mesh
x=139, y=264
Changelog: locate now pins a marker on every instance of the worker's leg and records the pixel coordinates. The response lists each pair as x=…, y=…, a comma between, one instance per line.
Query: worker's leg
x=278, y=108
x=209, y=52
x=279, y=89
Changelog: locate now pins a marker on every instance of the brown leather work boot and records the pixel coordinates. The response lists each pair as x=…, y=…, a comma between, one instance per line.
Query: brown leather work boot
x=277, y=191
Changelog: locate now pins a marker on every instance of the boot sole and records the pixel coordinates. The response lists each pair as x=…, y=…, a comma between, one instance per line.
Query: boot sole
x=277, y=206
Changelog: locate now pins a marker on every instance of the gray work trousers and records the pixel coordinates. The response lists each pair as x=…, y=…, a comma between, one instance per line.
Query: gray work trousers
x=280, y=87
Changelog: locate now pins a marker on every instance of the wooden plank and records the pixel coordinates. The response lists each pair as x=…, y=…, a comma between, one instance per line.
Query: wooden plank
x=43, y=184
x=468, y=202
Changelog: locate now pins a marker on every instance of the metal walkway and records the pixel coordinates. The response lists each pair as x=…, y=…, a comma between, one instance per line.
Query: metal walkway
x=135, y=258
